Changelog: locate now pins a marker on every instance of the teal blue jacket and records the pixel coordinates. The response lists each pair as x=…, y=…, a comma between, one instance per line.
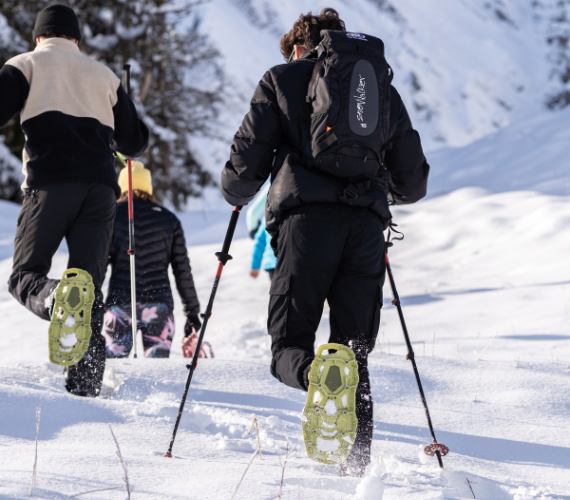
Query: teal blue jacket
x=262, y=251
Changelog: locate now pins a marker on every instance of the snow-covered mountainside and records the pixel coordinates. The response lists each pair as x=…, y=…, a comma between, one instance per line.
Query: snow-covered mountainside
x=464, y=68
x=531, y=154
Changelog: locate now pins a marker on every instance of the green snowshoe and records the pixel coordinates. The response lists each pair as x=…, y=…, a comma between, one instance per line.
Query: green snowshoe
x=70, y=325
x=329, y=416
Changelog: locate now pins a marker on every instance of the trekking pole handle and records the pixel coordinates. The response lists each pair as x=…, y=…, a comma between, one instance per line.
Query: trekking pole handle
x=126, y=79
x=131, y=208
x=224, y=255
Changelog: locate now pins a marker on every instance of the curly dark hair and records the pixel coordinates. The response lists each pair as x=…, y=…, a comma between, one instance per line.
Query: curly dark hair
x=307, y=30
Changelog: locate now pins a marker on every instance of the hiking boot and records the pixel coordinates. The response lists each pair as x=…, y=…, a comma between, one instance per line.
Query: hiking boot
x=86, y=377
x=359, y=458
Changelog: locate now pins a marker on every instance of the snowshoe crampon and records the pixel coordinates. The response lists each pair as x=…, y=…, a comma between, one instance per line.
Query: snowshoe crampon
x=329, y=416
x=70, y=325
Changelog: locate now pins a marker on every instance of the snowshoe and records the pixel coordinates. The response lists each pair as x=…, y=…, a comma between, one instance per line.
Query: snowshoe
x=189, y=347
x=329, y=417
x=70, y=325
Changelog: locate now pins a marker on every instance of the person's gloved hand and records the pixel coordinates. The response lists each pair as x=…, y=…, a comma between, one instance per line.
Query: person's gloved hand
x=193, y=323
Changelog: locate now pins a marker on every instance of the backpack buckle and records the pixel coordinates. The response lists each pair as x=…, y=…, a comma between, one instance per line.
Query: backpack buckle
x=349, y=195
x=352, y=192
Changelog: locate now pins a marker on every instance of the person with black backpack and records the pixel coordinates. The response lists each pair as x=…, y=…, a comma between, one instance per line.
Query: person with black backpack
x=337, y=141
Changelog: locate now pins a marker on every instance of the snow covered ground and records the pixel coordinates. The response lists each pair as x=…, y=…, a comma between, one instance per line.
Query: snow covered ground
x=484, y=261
x=508, y=448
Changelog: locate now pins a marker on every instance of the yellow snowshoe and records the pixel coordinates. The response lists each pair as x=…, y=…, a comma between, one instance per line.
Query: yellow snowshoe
x=70, y=325
x=329, y=416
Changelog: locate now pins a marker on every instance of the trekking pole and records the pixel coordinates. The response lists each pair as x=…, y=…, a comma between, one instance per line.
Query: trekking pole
x=436, y=449
x=223, y=258
x=126, y=81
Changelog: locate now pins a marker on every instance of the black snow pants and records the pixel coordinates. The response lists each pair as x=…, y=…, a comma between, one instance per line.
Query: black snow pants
x=83, y=213
x=328, y=252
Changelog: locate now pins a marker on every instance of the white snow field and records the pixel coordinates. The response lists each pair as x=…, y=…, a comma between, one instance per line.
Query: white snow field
x=484, y=263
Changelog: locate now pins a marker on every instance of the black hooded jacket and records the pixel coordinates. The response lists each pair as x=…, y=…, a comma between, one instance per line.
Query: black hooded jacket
x=274, y=133
x=159, y=242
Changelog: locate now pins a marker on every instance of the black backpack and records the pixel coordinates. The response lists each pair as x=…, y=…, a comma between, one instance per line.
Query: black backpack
x=349, y=94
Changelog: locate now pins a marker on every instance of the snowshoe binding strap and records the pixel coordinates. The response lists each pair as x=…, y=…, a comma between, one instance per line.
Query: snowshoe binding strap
x=70, y=325
x=329, y=417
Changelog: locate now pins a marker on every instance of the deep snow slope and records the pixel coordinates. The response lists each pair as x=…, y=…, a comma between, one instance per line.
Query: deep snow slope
x=532, y=154
x=509, y=449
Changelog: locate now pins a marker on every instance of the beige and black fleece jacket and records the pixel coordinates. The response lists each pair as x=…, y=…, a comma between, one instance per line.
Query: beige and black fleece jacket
x=74, y=113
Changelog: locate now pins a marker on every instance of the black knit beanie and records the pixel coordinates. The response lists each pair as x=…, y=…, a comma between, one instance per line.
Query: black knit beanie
x=57, y=19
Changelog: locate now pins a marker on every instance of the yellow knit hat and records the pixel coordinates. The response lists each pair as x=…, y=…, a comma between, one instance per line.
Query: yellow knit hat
x=142, y=179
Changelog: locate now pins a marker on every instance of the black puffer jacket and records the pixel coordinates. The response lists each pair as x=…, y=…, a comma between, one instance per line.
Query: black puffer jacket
x=159, y=242
x=276, y=130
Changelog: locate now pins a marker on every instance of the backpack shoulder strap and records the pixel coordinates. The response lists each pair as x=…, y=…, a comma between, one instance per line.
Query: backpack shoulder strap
x=388, y=104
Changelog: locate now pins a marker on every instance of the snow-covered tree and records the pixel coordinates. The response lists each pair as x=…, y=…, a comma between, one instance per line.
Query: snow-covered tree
x=12, y=137
x=176, y=79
